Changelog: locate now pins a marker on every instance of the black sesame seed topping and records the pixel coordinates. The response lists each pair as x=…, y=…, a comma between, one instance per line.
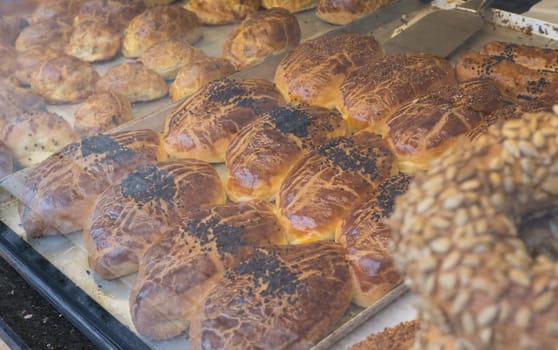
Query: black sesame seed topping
x=149, y=183
x=290, y=121
x=224, y=90
x=227, y=238
x=107, y=146
x=389, y=190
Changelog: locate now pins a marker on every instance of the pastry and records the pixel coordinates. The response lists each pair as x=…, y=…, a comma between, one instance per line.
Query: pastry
x=158, y=2
x=117, y=13
x=130, y=216
x=291, y=5
x=260, y=35
x=178, y=271
x=93, y=40
x=160, y=23
x=14, y=101
x=58, y=10
x=321, y=188
x=167, y=57
x=59, y=194
x=29, y=61
x=285, y=297
x=259, y=158
x=134, y=81
x=203, y=125
x=8, y=62
x=47, y=33
x=10, y=27
x=222, y=11
x=398, y=337
x=346, y=11
x=101, y=112
x=314, y=70
x=532, y=57
x=6, y=162
x=194, y=75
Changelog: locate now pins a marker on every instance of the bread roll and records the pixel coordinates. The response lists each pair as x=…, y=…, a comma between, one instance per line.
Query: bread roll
x=101, y=112
x=192, y=76
x=373, y=92
x=291, y=5
x=167, y=57
x=134, y=81
x=47, y=33
x=130, y=216
x=423, y=129
x=117, y=13
x=319, y=190
x=93, y=40
x=59, y=194
x=158, y=24
x=222, y=11
x=8, y=61
x=314, y=70
x=64, y=79
x=10, y=27
x=14, y=101
x=58, y=10
x=158, y=2
x=285, y=297
x=178, y=271
x=261, y=35
x=346, y=11
x=259, y=158
x=6, y=162
x=399, y=337
x=29, y=62
x=202, y=126
x=532, y=57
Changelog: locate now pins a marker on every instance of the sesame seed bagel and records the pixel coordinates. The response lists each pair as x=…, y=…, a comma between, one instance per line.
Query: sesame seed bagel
x=456, y=234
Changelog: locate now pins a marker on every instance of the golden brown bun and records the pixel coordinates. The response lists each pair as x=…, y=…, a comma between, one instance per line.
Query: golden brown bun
x=365, y=235
x=29, y=62
x=93, y=40
x=532, y=57
x=399, y=337
x=101, y=112
x=133, y=80
x=14, y=101
x=157, y=2
x=423, y=129
x=286, y=297
x=518, y=82
x=130, y=216
x=117, y=13
x=314, y=70
x=259, y=158
x=222, y=11
x=261, y=35
x=291, y=5
x=10, y=27
x=64, y=79
x=60, y=193
x=58, y=10
x=196, y=74
x=160, y=23
x=203, y=126
x=346, y=11
x=8, y=60
x=47, y=33
x=373, y=92
x=167, y=57
x=178, y=271
x=6, y=162
x=321, y=188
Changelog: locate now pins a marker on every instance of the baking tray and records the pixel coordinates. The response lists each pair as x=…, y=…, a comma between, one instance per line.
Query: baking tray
x=65, y=254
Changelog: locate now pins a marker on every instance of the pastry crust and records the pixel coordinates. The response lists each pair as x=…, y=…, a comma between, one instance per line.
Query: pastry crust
x=160, y=23
x=261, y=35
x=133, y=80
x=29, y=62
x=222, y=11
x=532, y=57
x=398, y=337
x=116, y=13
x=48, y=33
x=346, y=11
x=6, y=163
x=10, y=27
x=167, y=57
x=93, y=40
x=58, y=10
x=291, y=5
x=14, y=101
x=101, y=112
x=8, y=60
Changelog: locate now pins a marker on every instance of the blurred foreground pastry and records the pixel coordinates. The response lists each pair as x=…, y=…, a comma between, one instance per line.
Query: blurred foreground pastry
x=8, y=62
x=116, y=13
x=58, y=10
x=10, y=27
x=222, y=11
x=399, y=337
x=291, y=5
x=52, y=34
x=93, y=40
x=6, y=162
x=15, y=101
x=101, y=112
x=134, y=81
x=167, y=57
x=29, y=62
x=346, y=11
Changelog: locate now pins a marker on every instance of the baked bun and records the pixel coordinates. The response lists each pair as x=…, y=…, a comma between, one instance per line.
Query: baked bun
x=58, y=10
x=133, y=80
x=178, y=271
x=423, y=129
x=102, y=112
x=33, y=136
x=157, y=196
x=291, y=5
x=158, y=2
x=6, y=162
x=167, y=57
x=204, y=125
x=286, y=297
x=532, y=57
x=8, y=61
x=64, y=79
x=117, y=13
x=398, y=337
x=371, y=93
x=314, y=70
x=59, y=194
x=29, y=62
x=346, y=11
x=158, y=24
x=222, y=11
x=47, y=33
x=15, y=100
x=321, y=188
x=93, y=40
x=259, y=158
x=192, y=76
x=365, y=235
x=10, y=27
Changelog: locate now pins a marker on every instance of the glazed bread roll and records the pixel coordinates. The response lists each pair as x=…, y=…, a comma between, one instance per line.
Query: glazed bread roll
x=313, y=71
x=116, y=13
x=204, y=125
x=101, y=112
x=320, y=189
x=259, y=158
x=260, y=35
x=371, y=93
x=532, y=57
x=399, y=337
x=178, y=271
x=6, y=162
x=160, y=23
x=134, y=81
x=346, y=11
x=157, y=197
x=291, y=5
x=167, y=57
x=10, y=27
x=58, y=10
x=29, y=62
x=59, y=194
x=286, y=297
x=196, y=74
x=365, y=235
x=93, y=40
x=49, y=33
x=423, y=129
x=222, y=11
x=8, y=62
